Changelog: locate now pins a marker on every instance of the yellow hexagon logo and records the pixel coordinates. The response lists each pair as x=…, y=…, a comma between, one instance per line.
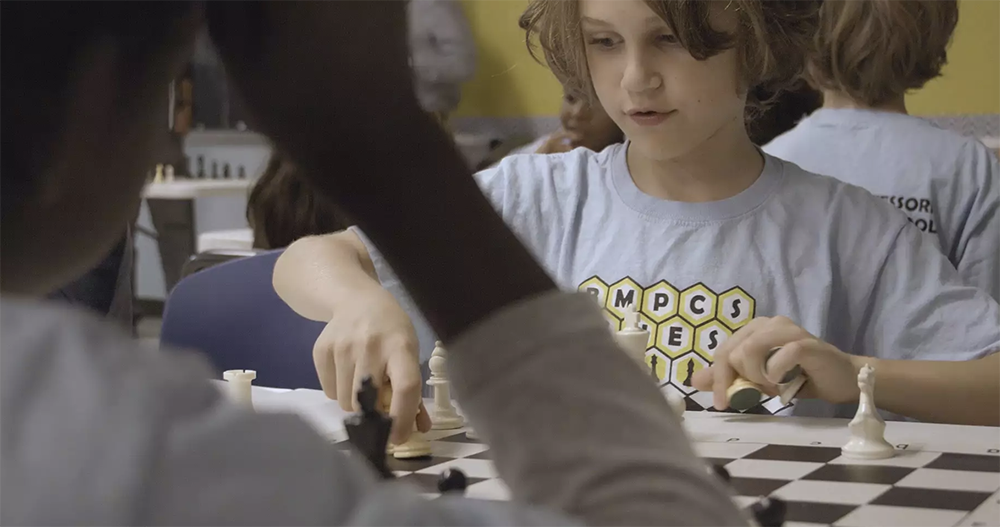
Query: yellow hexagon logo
x=697, y=304
x=709, y=337
x=659, y=301
x=621, y=295
x=683, y=369
x=659, y=365
x=674, y=337
x=650, y=326
x=597, y=289
x=736, y=308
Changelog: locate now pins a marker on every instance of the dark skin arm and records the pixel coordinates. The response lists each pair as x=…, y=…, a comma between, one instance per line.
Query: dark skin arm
x=416, y=222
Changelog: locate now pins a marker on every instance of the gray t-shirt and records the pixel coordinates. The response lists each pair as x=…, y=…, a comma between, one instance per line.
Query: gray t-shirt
x=845, y=265
x=947, y=184
x=96, y=430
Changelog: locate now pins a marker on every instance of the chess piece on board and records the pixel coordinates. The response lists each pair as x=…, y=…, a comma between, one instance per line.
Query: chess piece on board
x=417, y=445
x=238, y=385
x=769, y=512
x=867, y=427
x=444, y=416
x=633, y=339
x=452, y=480
x=743, y=394
x=368, y=430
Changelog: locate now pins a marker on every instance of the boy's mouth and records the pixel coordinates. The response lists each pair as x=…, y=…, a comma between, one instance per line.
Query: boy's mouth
x=644, y=117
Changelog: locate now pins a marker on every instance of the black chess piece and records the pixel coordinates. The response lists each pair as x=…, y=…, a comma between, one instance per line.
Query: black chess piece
x=215, y=170
x=452, y=480
x=690, y=372
x=652, y=367
x=225, y=171
x=769, y=512
x=241, y=173
x=201, y=167
x=368, y=430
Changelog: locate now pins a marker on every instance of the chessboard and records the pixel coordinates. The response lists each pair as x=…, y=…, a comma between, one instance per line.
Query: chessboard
x=916, y=487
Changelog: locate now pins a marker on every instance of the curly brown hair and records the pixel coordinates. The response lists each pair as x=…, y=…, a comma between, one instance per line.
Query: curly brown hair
x=772, y=40
x=876, y=50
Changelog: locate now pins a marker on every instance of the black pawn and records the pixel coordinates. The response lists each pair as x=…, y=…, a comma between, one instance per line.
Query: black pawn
x=452, y=480
x=769, y=512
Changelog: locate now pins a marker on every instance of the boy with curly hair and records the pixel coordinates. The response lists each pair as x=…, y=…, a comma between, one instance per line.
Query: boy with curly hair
x=729, y=253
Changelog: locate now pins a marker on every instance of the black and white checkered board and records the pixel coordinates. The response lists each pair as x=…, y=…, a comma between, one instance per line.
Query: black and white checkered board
x=821, y=487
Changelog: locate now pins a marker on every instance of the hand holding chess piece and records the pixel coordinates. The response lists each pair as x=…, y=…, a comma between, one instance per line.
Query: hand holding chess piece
x=414, y=447
x=867, y=427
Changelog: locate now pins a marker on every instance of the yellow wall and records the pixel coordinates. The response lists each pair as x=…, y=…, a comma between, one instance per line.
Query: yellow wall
x=509, y=83
x=971, y=80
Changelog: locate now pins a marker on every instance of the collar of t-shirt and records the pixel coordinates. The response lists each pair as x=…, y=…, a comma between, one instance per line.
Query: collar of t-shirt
x=857, y=119
x=744, y=202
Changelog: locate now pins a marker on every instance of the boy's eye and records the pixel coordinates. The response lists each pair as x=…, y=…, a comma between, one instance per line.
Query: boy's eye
x=667, y=39
x=602, y=42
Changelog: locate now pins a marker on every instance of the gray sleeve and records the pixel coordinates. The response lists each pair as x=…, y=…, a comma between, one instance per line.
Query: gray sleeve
x=444, y=51
x=225, y=466
x=584, y=431
x=920, y=308
x=977, y=247
x=100, y=431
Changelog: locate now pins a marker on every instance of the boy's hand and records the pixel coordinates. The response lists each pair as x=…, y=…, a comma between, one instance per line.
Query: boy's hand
x=375, y=337
x=832, y=373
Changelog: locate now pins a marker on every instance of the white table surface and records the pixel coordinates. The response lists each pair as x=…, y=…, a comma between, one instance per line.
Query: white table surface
x=197, y=188
x=228, y=239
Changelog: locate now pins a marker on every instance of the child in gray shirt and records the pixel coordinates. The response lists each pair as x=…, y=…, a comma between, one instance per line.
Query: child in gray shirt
x=98, y=431
x=948, y=185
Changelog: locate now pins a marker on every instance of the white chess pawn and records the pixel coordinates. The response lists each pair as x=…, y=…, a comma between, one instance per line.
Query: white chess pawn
x=444, y=416
x=416, y=446
x=633, y=339
x=238, y=384
x=867, y=427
